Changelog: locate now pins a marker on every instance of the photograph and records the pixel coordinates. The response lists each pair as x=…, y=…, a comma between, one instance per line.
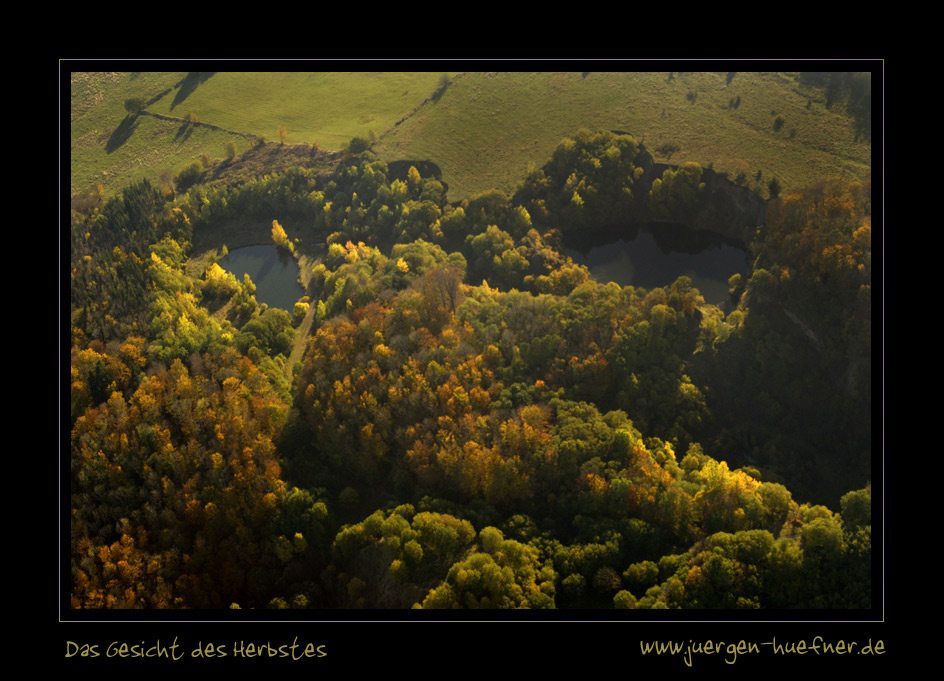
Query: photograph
x=386, y=355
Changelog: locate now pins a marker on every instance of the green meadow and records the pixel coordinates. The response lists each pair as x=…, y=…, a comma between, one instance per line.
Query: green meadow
x=327, y=108
x=484, y=130
x=487, y=128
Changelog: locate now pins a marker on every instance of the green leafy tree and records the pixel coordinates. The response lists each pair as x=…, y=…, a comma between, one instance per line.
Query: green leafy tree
x=189, y=176
x=505, y=574
x=134, y=105
x=358, y=145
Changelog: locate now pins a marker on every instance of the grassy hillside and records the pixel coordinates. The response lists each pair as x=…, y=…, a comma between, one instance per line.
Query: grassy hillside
x=328, y=108
x=487, y=127
x=483, y=131
x=111, y=148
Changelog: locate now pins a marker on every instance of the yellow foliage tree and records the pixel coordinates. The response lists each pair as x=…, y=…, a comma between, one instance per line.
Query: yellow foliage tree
x=281, y=238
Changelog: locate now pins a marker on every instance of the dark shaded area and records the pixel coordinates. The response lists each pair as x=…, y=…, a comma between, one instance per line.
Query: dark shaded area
x=189, y=176
x=852, y=89
x=779, y=401
x=358, y=145
x=444, y=83
x=659, y=253
x=122, y=133
x=184, y=131
x=397, y=170
x=675, y=237
x=189, y=84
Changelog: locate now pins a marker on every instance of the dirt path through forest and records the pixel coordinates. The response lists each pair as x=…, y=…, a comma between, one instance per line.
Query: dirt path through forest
x=301, y=341
x=305, y=265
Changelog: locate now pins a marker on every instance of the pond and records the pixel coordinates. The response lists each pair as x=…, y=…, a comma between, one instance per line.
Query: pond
x=274, y=272
x=652, y=256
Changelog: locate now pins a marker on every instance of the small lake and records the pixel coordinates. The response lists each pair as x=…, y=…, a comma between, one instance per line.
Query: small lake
x=274, y=273
x=655, y=256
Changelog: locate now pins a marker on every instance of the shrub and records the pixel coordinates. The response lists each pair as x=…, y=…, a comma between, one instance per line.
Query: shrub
x=358, y=145
x=134, y=105
x=189, y=176
x=667, y=149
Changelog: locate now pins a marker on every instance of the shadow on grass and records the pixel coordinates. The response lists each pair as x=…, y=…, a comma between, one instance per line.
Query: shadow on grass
x=189, y=84
x=184, y=132
x=444, y=84
x=121, y=134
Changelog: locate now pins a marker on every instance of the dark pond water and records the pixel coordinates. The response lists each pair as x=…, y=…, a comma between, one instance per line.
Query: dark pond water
x=656, y=255
x=274, y=273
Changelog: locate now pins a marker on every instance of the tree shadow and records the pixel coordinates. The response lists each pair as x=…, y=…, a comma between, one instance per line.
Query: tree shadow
x=121, y=134
x=184, y=132
x=189, y=84
x=444, y=83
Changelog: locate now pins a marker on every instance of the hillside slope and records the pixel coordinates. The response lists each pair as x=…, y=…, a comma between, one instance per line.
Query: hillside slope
x=488, y=127
x=483, y=130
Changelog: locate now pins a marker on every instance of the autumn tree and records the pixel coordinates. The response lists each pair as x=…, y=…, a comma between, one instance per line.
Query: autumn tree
x=195, y=487
x=218, y=283
x=280, y=238
x=451, y=406
x=441, y=292
x=413, y=181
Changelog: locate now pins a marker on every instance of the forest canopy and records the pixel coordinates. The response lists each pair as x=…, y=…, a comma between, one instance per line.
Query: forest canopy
x=473, y=421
